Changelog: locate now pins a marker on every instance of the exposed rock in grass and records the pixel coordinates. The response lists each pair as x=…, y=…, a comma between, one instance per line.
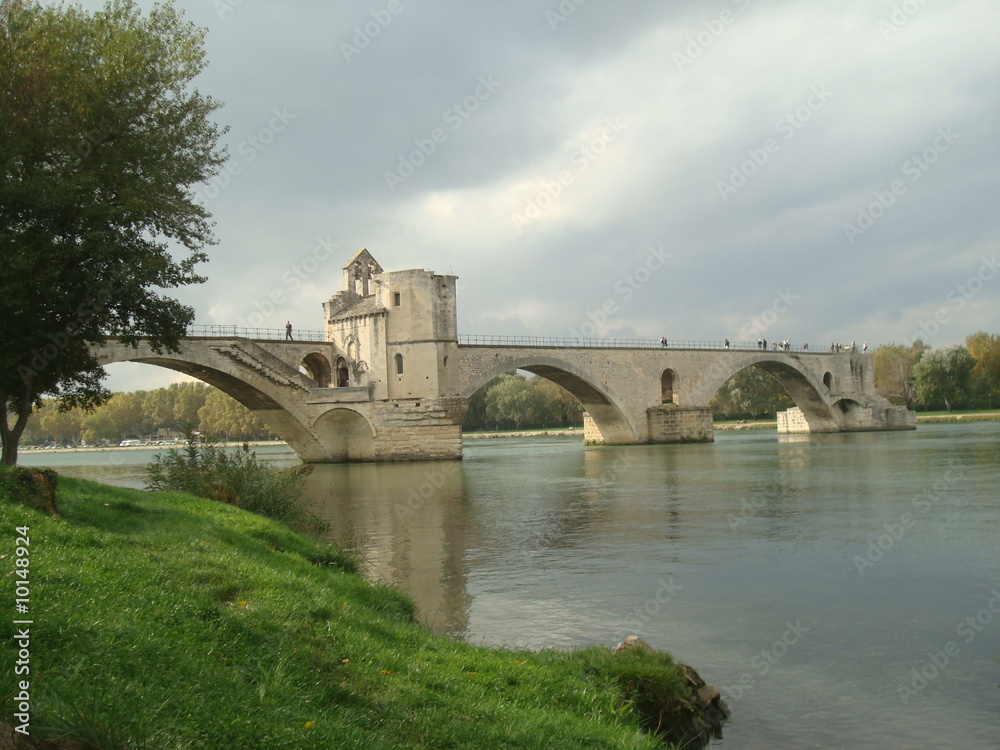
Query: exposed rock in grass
x=689, y=716
x=11, y=740
x=35, y=488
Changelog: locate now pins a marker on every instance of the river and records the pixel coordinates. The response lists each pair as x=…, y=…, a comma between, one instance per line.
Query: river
x=843, y=591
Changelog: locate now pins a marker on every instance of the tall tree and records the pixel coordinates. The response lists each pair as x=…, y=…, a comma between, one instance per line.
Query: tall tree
x=189, y=399
x=158, y=406
x=513, y=400
x=944, y=376
x=224, y=415
x=102, y=141
x=64, y=426
x=751, y=392
x=559, y=406
x=894, y=365
x=985, y=350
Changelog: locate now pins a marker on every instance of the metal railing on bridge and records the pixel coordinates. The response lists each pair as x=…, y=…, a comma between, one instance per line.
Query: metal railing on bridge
x=573, y=342
x=258, y=334
x=567, y=342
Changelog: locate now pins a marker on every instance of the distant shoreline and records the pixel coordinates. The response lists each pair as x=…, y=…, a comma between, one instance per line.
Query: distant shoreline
x=575, y=432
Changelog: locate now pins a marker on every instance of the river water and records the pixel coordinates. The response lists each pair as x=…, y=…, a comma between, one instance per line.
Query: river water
x=843, y=591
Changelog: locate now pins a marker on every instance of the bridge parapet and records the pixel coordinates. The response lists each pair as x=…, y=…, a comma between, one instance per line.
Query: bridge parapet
x=254, y=334
x=576, y=342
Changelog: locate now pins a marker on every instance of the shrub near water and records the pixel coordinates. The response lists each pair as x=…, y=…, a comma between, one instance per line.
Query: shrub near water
x=234, y=477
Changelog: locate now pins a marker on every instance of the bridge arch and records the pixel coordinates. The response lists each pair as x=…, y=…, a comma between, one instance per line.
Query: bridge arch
x=807, y=393
x=603, y=406
x=317, y=366
x=273, y=390
x=849, y=412
x=347, y=435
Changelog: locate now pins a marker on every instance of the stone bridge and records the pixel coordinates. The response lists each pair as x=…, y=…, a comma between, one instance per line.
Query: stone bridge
x=390, y=380
x=662, y=395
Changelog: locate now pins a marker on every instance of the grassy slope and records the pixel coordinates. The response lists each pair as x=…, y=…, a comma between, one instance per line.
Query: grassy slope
x=166, y=621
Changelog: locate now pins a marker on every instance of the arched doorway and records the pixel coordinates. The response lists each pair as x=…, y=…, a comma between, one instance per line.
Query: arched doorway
x=667, y=385
x=318, y=368
x=343, y=373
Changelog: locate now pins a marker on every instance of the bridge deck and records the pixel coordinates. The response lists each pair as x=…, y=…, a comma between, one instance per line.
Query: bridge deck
x=275, y=335
x=569, y=342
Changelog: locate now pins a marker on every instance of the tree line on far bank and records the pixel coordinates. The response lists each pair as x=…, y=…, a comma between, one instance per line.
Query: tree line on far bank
x=956, y=377
x=147, y=415
x=964, y=376
x=916, y=376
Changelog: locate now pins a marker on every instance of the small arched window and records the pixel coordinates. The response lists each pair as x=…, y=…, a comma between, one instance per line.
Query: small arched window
x=667, y=386
x=399, y=364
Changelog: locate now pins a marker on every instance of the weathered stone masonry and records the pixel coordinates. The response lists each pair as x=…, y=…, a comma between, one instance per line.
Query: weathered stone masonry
x=392, y=383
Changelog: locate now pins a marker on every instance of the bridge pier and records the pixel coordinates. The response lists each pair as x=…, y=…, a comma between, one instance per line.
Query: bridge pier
x=669, y=423
x=852, y=417
x=666, y=423
x=428, y=429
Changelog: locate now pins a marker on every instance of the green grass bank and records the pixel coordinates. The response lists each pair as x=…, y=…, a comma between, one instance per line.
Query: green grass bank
x=163, y=620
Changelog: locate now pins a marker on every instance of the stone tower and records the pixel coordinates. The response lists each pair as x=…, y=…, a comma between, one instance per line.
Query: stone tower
x=396, y=334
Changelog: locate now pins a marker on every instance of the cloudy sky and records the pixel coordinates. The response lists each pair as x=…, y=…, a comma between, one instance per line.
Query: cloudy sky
x=699, y=170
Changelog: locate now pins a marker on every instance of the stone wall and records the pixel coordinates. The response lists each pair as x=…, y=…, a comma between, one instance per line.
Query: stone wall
x=669, y=423
x=591, y=432
x=418, y=430
x=792, y=421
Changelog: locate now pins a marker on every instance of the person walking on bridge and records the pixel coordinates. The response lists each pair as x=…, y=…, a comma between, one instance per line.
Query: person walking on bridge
x=288, y=331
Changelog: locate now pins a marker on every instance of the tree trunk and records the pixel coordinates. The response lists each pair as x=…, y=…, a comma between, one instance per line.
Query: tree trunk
x=9, y=450
x=11, y=436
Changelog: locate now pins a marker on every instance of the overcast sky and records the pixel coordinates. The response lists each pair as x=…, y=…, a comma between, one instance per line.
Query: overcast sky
x=733, y=168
